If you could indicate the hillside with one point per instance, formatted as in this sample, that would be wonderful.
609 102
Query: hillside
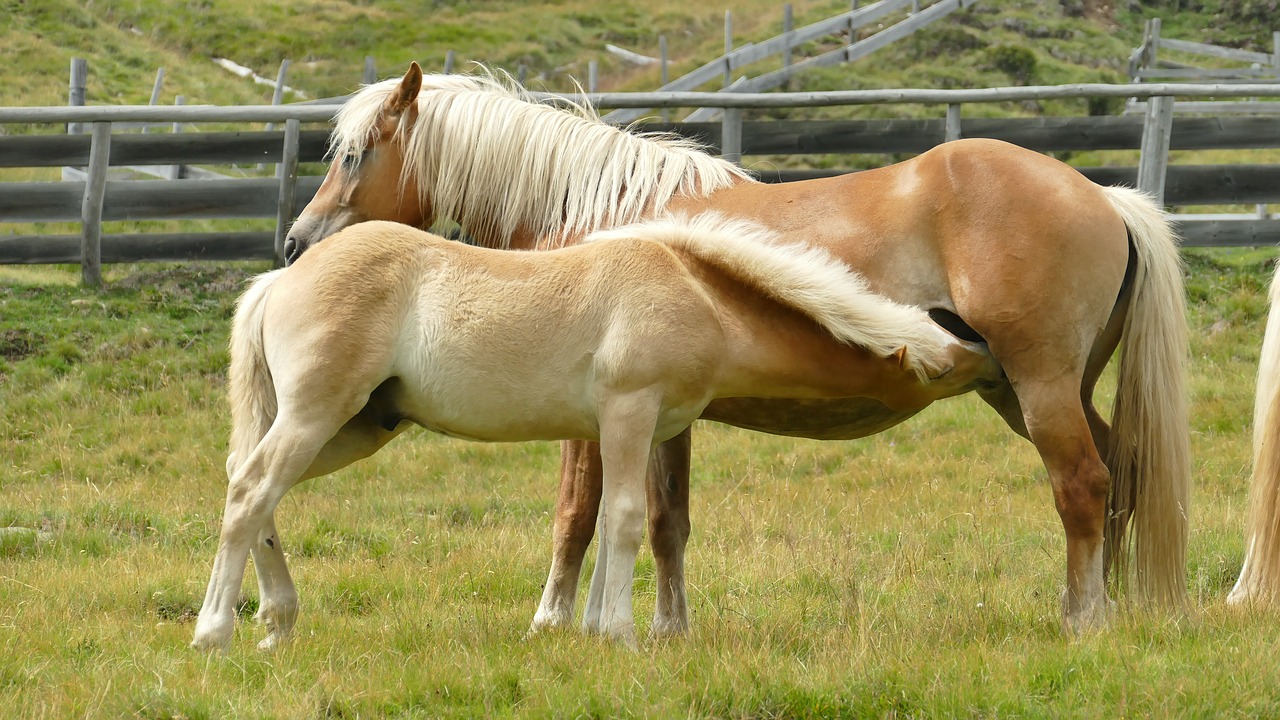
998 42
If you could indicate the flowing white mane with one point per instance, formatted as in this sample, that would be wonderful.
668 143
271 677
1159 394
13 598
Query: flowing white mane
807 279
487 155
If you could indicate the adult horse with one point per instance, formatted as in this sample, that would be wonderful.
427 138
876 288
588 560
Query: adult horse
997 242
387 325
1260 575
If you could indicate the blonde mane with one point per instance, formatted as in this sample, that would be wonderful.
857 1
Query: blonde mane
807 279
488 156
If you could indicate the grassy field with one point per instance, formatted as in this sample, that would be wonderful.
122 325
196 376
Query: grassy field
915 573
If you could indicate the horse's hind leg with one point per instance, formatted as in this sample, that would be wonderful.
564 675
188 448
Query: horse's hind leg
359 438
1059 427
252 494
277 597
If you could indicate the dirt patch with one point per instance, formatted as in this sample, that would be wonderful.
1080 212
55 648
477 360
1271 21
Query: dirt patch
18 344
185 281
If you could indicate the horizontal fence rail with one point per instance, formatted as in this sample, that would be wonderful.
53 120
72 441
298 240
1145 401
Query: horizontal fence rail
97 199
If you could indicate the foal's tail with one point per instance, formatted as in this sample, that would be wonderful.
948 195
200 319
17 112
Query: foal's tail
808 280
1260 576
253 396
1149 447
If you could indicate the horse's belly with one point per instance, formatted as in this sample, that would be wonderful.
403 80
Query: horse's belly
842 419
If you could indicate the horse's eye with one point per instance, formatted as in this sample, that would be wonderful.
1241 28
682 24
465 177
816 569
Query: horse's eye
351 160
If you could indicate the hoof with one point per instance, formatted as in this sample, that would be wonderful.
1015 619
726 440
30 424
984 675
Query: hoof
272 642
1088 620
211 640
667 628
549 620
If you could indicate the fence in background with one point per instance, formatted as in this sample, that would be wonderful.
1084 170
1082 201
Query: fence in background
1146 64
96 199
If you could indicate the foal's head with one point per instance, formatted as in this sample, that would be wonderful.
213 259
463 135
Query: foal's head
365 177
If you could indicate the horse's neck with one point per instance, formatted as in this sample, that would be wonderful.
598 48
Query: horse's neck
525 239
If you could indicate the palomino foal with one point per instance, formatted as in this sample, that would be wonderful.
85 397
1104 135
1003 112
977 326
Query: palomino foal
624 340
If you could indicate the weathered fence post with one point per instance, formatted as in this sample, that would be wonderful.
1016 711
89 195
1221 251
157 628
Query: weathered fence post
853 5
75 94
787 27
728 47
277 95
951 130
95 189
731 135
175 171
1154 38
1154 159
593 76
155 93
448 62
370 75
662 51
287 171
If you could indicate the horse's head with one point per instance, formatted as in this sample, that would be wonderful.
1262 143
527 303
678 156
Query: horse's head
365 176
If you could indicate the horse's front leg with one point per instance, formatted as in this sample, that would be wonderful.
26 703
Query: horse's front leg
577 507
669 532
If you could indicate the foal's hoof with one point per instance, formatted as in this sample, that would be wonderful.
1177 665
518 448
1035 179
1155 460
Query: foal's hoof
272 642
210 642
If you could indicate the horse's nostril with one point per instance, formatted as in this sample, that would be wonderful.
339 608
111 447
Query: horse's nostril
291 251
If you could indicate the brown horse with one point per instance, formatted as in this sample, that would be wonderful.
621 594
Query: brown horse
997 242
388 324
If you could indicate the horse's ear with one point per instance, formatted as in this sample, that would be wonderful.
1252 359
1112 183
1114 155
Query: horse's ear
901 356
406 93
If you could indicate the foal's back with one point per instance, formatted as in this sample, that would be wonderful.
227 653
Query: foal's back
499 345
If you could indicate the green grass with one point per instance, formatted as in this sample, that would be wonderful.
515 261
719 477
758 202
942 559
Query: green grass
915 573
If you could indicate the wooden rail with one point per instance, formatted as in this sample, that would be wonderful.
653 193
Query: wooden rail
97 200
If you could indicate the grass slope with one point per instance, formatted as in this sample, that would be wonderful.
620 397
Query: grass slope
994 43
915 573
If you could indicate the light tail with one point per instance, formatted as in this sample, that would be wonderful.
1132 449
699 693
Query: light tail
1149 449
810 281
1260 577
252 392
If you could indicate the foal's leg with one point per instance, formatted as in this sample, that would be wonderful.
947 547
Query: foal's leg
577 508
668 502
278 599
626 438
252 494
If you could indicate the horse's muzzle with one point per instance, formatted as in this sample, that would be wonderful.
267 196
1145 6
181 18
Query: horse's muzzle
292 250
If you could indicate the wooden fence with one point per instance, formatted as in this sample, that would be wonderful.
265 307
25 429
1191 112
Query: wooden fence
97 200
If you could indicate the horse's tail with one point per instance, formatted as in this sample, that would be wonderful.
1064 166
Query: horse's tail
1149 447
1260 576
253 395
808 280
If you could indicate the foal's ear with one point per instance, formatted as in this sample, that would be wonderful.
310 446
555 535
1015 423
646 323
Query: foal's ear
406 92
901 356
